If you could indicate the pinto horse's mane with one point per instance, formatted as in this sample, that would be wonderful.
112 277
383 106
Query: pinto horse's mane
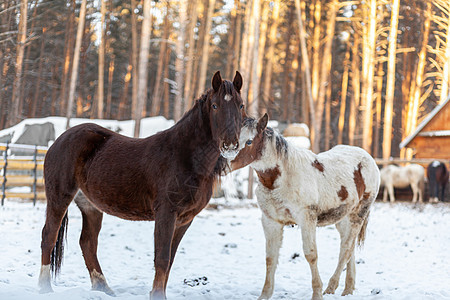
275 138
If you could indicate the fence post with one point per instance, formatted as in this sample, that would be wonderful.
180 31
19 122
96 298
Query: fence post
5 158
35 175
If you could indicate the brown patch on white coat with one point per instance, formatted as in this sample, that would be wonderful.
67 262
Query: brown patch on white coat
268 177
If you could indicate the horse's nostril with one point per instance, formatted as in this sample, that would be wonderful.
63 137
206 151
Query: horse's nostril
237 146
225 146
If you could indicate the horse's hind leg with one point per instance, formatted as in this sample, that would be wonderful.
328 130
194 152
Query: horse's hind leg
54 228
92 223
416 192
344 229
273 232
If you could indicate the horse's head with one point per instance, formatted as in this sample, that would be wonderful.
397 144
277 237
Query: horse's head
252 137
226 111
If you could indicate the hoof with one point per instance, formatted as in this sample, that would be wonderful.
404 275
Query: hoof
317 296
45 290
263 297
329 291
347 292
105 289
157 296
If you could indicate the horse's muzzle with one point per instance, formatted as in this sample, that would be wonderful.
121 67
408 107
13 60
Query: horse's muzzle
229 151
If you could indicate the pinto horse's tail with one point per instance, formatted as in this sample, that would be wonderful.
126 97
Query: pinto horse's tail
58 250
362 232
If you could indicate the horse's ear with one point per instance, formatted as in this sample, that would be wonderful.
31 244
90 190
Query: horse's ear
237 81
262 123
216 81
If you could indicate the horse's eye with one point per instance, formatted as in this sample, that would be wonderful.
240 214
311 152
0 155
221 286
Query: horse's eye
249 142
241 107
214 106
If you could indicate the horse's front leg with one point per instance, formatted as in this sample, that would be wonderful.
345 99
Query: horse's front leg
443 191
273 232
164 232
177 236
308 225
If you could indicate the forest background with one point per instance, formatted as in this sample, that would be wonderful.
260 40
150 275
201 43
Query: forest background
361 72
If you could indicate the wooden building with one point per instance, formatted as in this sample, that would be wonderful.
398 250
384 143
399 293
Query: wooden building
431 139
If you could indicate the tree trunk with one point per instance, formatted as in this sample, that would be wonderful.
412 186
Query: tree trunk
390 83
25 97
101 62
21 39
261 49
143 63
179 62
68 46
325 70
188 97
376 137
134 60
205 48
159 80
39 76
166 98
109 92
3 103
268 70
231 40
307 72
237 36
417 92
244 45
126 85
316 61
253 60
356 85
76 58
344 87
285 94
446 68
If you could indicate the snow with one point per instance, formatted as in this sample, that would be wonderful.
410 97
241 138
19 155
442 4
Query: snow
406 256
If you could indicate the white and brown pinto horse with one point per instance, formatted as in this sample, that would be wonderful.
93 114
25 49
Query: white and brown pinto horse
299 187
393 176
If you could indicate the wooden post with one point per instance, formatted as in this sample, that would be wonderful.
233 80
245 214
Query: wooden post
250 183
5 158
34 175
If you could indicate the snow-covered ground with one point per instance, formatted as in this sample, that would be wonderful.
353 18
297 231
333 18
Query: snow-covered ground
406 256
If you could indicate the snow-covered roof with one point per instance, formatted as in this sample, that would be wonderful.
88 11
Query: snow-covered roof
424 123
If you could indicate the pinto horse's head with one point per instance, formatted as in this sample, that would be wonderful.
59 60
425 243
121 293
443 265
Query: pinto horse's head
252 140
226 111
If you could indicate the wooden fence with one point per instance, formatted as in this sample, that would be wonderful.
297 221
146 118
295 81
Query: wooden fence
22 171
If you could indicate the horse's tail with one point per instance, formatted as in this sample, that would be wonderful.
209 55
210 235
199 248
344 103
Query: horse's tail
362 232
58 250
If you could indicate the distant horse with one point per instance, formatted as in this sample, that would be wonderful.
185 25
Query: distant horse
437 175
167 178
299 187
401 177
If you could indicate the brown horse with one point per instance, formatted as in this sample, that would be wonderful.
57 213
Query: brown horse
167 177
